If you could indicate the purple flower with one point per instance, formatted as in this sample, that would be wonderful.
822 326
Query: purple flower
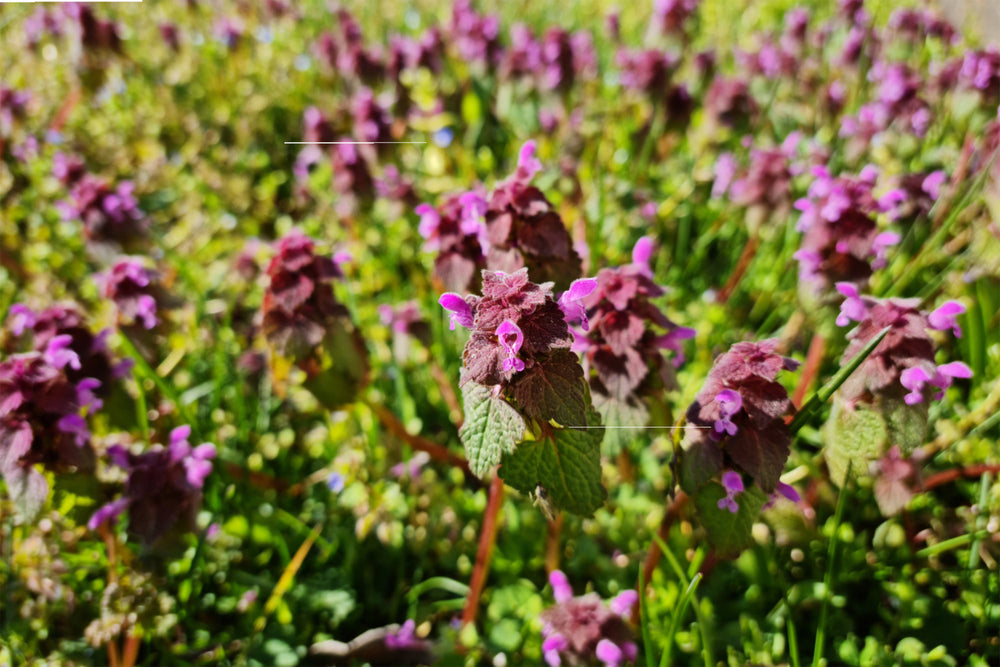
430 220
59 354
623 603
730 402
163 488
461 311
914 379
412 467
671 341
948 372
732 482
85 394
108 513
783 490
76 426
932 183
19 318
503 334
945 317
853 307
584 628
551 647
571 301
403 638
882 242
609 653
130 285
561 590
642 251
527 164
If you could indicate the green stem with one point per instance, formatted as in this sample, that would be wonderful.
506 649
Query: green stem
675 622
826 391
831 557
706 646
644 620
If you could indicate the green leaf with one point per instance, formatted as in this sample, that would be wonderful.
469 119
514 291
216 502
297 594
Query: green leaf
728 533
616 414
853 438
906 424
28 489
553 390
342 367
566 463
492 427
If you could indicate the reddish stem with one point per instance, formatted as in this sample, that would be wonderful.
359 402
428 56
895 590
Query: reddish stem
945 476
749 250
62 115
438 452
131 650
113 658
814 359
447 393
487 538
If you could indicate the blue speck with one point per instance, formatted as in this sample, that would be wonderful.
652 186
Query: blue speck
336 482
443 137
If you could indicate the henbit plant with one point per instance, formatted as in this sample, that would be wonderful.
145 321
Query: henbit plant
736 443
880 413
514 226
163 490
527 405
623 354
307 327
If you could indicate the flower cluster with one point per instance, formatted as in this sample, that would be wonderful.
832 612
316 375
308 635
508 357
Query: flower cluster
514 227
882 404
475 36
767 181
515 325
109 215
163 488
905 357
583 629
729 102
13 106
649 70
981 71
43 418
917 26
557 60
135 292
623 353
739 416
90 349
841 241
299 304
455 231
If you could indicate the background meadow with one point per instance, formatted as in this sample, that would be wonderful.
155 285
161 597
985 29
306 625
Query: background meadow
173 273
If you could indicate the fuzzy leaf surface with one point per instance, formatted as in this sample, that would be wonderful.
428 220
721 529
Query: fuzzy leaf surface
567 463
728 533
492 428
553 389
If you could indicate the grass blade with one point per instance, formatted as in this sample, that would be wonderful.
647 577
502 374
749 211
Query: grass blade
826 391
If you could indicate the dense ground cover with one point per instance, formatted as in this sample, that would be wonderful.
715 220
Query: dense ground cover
667 336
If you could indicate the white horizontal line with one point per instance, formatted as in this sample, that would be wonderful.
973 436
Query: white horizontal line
335 143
